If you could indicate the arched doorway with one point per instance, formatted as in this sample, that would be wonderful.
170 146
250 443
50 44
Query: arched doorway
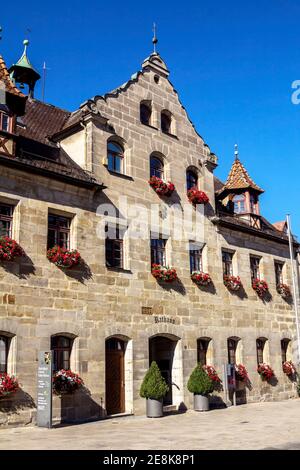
115 375
165 350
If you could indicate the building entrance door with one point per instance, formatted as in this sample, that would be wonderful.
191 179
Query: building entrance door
114 376
161 350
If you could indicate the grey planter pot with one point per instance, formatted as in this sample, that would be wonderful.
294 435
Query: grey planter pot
154 408
201 403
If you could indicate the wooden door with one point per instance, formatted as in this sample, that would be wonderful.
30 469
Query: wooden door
115 377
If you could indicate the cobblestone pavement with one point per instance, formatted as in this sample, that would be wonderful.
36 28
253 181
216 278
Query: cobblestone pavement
272 425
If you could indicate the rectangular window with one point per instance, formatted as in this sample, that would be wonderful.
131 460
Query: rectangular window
58 231
158 251
254 267
195 258
260 343
61 347
5 122
284 347
279 272
231 346
3 354
227 263
114 251
6 218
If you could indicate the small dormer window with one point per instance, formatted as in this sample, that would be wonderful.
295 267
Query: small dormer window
5 122
166 122
145 113
239 202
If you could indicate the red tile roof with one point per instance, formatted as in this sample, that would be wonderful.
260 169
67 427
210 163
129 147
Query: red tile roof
5 78
238 178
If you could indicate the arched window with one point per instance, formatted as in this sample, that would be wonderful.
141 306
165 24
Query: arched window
202 347
115 157
3 353
232 344
239 202
191 179
284 348
145 113
260 346
165 123
61 347
156 167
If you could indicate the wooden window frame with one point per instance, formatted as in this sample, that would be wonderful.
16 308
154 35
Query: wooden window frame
255 267
260 346
6 341
227 263
196 258
57 350
115 155
7 218
278 276
231 350
9 126
158 172
191 175
59 229
158 251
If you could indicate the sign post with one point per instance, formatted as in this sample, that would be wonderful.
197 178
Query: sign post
44 390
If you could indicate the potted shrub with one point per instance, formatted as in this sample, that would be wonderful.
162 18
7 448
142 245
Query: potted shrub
154 388
62 257
9 249
163 273
195 196
8 385
66 381
161 187
284 291
200 278
289 368
200 384
232 283
260 287
265 371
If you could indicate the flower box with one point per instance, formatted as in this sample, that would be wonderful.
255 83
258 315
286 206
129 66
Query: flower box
233 283
196 196
8 385
260 287
163 273
289 368
66 381
9 249
200 278
265 371
212 373
63 258
241 372
284 290
161 187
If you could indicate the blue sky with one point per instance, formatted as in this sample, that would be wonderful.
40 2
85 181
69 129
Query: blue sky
232 63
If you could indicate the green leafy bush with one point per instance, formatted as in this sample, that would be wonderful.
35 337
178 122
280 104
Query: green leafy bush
199 382
154 385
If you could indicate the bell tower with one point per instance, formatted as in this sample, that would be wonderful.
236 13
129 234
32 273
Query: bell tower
23 72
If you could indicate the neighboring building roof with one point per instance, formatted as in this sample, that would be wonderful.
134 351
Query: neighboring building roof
238 178
281 226
10 87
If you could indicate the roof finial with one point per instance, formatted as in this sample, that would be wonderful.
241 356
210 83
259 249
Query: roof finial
154 39
0 32
236 151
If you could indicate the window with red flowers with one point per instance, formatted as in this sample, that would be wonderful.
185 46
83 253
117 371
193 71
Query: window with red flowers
156 167
158 251
61 347
227 263
232 344
195 257
202 348
6 219
255 267
58 231
278 272
191 179
260 346
4 344
284 347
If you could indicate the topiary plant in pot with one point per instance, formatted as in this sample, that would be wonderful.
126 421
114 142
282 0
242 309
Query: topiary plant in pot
200 385
154 388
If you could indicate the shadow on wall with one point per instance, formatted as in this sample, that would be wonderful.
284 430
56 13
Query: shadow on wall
80 273
17 402
22 268
77 407
176 286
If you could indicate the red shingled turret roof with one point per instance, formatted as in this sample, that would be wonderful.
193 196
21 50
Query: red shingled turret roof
10 87
238 178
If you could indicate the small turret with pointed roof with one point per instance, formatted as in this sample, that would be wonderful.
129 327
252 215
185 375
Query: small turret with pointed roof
23 72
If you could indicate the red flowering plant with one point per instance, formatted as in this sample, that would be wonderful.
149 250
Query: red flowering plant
265 371
8 385
233 283
196 196
9 249
241 372
62 257
289 368
163 273
284 290
260 287
200 278
66 381
161 187
212 373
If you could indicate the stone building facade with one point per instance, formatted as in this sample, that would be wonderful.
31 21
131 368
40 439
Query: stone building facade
109 317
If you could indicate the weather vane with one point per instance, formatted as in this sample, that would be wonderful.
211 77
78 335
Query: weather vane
154 40
236 151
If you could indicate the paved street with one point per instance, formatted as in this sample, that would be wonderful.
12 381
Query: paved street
272 425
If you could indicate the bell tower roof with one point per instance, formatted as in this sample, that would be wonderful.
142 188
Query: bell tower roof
23 72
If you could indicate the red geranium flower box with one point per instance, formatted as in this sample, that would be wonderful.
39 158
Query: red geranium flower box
63 258
260 287
241 372
284 290
160 187
233 283
163 273
9 249
289 368
196 196
66 381
8 385
265 371
212 373
200 278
